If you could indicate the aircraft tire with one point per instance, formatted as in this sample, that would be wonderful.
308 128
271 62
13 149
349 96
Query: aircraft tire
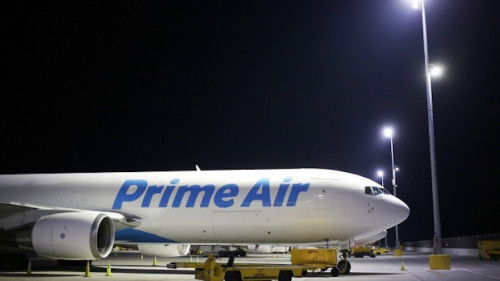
335 272
344 266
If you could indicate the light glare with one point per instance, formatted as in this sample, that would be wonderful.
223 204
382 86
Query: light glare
388 132
415 4
436 70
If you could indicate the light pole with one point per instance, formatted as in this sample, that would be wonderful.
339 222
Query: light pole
435 197
380 173
389 132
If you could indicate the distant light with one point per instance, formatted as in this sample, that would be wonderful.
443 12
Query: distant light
416 4
380 173
388 132
396 169
436 70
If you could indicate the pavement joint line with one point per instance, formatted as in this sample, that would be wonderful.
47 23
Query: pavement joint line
440 274
473 272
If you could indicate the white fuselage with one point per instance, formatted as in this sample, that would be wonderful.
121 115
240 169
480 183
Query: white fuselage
247 206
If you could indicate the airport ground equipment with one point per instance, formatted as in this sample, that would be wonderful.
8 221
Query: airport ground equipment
381 251
361 251
302 261
319 259
213 271
489 249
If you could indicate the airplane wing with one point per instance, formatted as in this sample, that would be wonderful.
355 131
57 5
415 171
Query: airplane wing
61 233
17 214
8 209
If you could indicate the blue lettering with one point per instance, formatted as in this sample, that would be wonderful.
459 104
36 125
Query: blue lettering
123 196
253 194
280 197
167 193
294 194
223 197
232 191
152 190
194 190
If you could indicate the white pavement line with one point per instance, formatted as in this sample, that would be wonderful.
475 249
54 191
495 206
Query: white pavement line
470 271
440 274
414 275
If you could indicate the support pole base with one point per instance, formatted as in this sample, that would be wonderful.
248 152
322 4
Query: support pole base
439 262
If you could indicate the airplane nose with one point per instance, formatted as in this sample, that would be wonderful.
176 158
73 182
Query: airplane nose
392 212
401 210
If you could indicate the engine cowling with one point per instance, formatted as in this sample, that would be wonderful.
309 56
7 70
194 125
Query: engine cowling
85 235
164 250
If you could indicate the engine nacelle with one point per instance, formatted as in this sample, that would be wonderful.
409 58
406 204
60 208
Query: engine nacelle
85 235
164 250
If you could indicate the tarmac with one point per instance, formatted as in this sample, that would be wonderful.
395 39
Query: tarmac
130 266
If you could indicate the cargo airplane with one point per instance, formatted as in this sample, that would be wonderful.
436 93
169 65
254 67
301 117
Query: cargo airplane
79 216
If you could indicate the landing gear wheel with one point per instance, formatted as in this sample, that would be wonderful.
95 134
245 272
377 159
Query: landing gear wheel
344 267
335 272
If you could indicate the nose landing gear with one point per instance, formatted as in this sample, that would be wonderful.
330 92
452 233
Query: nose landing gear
344 265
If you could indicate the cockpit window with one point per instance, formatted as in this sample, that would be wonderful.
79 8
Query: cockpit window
373 190
368 190
385 191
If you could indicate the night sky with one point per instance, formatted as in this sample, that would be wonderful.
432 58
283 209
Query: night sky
165 85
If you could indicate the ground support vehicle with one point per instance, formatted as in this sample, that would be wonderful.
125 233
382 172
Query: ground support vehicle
381 251
303 261
361 251
320 259
489 249
212 271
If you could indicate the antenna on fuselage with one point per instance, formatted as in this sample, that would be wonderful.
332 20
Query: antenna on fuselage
198 168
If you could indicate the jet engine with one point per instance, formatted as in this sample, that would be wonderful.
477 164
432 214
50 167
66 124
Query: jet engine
85 235
164 250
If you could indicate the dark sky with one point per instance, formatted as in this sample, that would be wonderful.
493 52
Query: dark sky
164 85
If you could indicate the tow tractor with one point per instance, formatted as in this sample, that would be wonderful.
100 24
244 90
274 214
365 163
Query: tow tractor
303 260
213 271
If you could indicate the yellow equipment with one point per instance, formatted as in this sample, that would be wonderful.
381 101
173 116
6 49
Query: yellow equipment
212 271
361 251
489 249
381 251
316 259
303 260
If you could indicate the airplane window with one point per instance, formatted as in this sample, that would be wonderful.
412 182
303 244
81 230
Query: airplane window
368 190
376 191
384 191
